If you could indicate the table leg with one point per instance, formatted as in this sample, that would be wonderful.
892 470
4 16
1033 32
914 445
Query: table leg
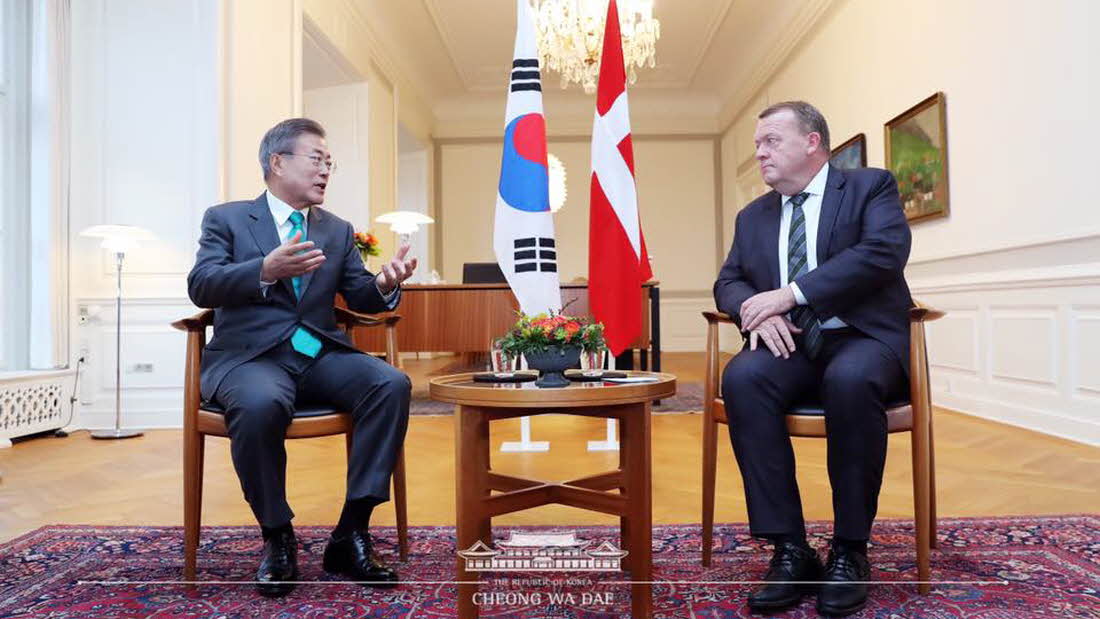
636 443
624 521
471 453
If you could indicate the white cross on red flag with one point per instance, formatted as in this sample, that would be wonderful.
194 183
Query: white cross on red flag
617 260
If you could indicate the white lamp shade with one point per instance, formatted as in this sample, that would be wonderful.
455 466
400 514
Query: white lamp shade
404 222
118 238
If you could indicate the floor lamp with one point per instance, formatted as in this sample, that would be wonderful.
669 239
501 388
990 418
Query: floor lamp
118 239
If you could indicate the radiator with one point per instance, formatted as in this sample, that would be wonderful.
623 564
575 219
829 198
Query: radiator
33 402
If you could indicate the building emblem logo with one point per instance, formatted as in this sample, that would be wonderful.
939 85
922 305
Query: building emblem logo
544 552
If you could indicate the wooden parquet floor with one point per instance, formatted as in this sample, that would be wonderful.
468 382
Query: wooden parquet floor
983 468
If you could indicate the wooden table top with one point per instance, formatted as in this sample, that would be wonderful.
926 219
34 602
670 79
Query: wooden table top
461 389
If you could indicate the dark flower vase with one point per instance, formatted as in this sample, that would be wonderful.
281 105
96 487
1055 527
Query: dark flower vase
552 362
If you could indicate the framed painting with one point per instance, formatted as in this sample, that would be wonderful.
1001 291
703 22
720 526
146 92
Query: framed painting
916 153
851 154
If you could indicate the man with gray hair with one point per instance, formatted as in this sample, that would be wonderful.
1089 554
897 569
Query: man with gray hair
270 268
815 281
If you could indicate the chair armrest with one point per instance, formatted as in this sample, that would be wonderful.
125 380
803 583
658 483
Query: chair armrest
198 322
355 319
716 317
923 313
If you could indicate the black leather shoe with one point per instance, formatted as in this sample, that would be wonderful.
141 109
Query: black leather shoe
278 565
354 556
845 590
790 562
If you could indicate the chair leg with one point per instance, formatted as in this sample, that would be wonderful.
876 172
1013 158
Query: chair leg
193 444
933 541
921 507
400 505
710 463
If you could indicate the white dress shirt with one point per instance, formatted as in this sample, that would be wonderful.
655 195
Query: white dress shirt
811 208
280 212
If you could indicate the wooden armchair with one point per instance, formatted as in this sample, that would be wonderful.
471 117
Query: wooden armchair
198 423
915 417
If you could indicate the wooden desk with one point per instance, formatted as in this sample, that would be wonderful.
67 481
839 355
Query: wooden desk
479 403
464 318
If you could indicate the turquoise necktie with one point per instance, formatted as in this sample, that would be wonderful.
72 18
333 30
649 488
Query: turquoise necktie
802 316
303 341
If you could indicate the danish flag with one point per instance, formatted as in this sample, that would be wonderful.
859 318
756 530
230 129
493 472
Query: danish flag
617 260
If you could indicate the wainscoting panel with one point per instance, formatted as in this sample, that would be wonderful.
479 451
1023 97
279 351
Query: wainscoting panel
1024 345
1018 346
152 362
1085 352
683 327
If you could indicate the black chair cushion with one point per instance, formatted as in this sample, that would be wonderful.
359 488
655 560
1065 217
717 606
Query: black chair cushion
300 413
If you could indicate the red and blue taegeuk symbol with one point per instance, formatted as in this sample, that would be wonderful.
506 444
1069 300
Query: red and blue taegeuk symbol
524 176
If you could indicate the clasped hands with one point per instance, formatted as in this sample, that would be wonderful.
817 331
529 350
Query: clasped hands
763 318
294 258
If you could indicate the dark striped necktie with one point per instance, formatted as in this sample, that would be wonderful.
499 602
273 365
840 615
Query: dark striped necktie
802 316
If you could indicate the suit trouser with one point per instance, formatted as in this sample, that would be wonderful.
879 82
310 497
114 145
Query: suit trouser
260 397
854 378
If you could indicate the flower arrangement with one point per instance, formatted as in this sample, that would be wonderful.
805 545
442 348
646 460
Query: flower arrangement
367 244
536 334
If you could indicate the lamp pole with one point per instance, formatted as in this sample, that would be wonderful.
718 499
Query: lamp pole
118 432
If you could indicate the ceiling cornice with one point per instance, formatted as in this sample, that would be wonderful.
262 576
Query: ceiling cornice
445 38
393 70
796 32
712 31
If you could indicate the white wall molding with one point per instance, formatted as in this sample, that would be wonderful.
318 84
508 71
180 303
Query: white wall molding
1018 347
152 361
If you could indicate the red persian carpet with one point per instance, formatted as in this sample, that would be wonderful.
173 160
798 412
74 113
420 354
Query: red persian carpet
988 568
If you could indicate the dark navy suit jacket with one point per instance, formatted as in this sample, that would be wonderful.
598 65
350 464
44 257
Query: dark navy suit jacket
863 244
226 277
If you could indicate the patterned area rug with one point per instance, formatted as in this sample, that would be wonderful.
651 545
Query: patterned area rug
1039 568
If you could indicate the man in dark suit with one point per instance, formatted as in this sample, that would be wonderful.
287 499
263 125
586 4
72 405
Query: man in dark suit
815 281
270 268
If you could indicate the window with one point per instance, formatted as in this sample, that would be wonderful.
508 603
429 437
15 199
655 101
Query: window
34 184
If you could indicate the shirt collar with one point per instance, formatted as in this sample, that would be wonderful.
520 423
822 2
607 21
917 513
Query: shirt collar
281 210
816 186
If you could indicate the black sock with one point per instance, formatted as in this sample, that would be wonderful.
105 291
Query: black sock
355 516
852 545
267 532
788 538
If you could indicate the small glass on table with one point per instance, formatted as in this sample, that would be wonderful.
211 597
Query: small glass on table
501 362
592 361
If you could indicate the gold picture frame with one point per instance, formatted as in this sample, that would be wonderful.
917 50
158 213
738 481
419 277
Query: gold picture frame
851 154
916 154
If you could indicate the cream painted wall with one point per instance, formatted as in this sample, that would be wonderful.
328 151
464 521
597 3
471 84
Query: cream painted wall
170 99
413 194
676 189
263 83
1020 83
676 197
343 111
1017 262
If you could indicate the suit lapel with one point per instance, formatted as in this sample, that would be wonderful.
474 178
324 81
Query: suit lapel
264 231
318 233
770 229
830 207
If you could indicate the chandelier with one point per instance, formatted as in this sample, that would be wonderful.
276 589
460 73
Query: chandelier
570 37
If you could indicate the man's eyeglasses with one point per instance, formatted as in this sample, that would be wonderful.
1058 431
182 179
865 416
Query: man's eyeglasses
318 161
